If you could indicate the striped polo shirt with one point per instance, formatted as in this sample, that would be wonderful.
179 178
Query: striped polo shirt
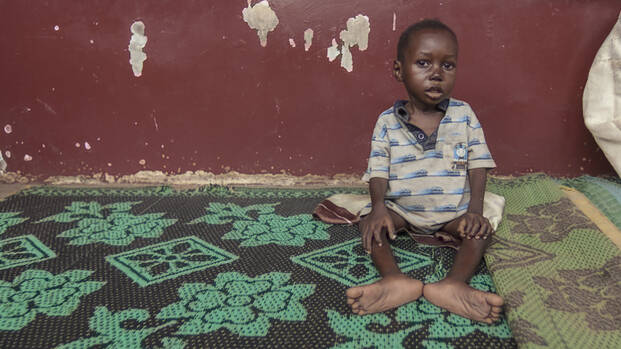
430 187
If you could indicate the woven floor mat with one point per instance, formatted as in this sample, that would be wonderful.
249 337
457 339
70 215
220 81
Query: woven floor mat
605 194
208 268
560 276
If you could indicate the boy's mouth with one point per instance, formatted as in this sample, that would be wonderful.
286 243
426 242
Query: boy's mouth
434 92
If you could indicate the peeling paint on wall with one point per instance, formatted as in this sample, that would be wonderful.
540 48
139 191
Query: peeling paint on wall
87 146
308 39
356 34
291 42
8 128
137 42
333 51
27 157
8 154
394 21
260 17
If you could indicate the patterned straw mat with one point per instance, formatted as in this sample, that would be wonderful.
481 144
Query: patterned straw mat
231 268
559 274
605 194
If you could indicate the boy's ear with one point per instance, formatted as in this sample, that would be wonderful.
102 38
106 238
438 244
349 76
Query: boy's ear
397 71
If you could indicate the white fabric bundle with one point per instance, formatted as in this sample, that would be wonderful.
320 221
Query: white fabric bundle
602 97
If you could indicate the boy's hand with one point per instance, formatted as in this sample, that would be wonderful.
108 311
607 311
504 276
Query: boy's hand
474 226
371 227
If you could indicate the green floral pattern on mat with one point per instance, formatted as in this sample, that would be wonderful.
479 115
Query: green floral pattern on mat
357 330
239 303
350 265
442 327
8 219
257 225
38 291
112 333
23 250
111 224
167 260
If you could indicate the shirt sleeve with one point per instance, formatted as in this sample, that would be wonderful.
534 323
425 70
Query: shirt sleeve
479 155
379 159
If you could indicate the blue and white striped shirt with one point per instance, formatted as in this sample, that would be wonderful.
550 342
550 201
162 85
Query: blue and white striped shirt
430 186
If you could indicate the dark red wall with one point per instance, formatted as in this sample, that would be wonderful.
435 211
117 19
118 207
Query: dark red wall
211 98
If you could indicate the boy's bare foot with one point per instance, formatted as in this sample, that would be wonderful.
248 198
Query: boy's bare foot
461 299
390 292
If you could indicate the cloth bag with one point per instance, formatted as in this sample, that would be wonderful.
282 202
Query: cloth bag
601 100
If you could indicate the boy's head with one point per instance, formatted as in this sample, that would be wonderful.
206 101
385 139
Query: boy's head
427 62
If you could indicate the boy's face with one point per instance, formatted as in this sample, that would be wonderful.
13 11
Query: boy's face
428 68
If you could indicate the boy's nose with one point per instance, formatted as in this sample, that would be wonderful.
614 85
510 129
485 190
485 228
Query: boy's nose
436 75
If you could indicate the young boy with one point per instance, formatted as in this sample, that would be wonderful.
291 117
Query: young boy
427 173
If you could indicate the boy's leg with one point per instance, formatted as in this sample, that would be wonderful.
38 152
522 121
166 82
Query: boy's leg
394 289
454 294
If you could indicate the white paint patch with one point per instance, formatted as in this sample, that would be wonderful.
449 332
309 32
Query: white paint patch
356 34
77 144
333 51
142 162
92 41
291 42
347 60
394 21
137 42
8 128
8 154
87 146
56 28
308 38
27 157
262 18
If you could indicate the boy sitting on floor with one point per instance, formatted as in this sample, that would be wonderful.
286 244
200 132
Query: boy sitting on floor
427 173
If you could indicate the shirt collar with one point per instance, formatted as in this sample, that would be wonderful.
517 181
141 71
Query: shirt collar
402 113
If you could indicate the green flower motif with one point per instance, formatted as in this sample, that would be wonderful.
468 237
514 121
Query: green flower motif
8 219
356 328
114 336
239 303
266 228
222 213
170 259
275 229
111 224
38 291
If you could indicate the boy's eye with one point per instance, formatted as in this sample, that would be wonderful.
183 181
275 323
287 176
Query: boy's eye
422 63
448 66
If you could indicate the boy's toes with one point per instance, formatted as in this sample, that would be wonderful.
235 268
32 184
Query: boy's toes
354 292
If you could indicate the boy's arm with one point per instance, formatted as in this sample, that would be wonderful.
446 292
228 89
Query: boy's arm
473 224
477 178
371 225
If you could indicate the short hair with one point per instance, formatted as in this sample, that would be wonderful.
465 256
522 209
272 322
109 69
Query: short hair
404 39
